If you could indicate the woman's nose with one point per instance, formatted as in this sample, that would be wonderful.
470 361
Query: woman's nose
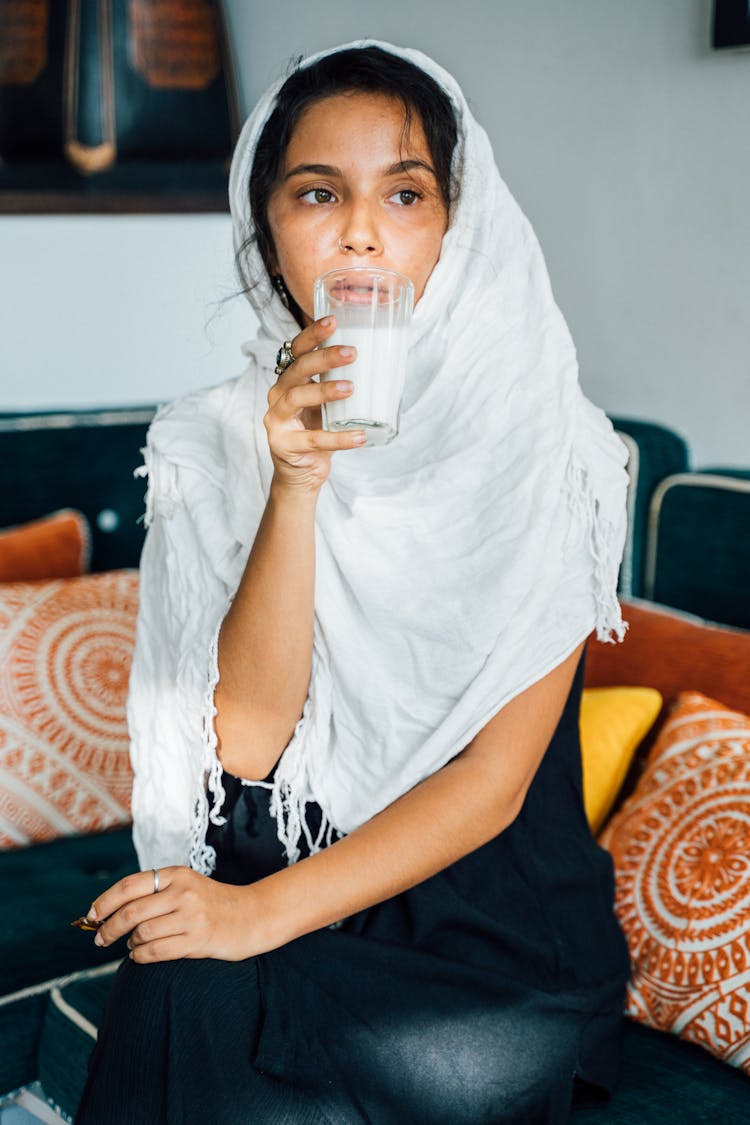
360 234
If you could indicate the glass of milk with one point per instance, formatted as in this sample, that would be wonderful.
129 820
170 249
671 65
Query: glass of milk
373 311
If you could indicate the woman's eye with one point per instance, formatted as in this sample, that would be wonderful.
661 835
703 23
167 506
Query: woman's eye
407 197
319 195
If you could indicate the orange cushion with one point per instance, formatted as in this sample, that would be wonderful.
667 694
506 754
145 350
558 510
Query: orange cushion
65 649
57 546
672 652
681 848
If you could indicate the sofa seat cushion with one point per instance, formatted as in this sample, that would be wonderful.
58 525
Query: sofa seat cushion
73 1014
666 1080
42 890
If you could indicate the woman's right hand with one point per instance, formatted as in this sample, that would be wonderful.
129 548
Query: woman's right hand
300 449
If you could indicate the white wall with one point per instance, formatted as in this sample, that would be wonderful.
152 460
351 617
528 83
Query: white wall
621 134
106 309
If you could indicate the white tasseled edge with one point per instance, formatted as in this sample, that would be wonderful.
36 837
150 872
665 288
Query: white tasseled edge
143 471
287 799
161 495
287 803
202 856
599 538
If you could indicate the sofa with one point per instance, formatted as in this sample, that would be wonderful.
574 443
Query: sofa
689 631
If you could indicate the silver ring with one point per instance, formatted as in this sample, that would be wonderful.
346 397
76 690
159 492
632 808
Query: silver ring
156 879
284 358
343 249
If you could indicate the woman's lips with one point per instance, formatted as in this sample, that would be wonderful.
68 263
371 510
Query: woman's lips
350 294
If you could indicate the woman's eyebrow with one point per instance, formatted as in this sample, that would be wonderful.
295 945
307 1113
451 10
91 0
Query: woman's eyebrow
408 166
329 170
314 169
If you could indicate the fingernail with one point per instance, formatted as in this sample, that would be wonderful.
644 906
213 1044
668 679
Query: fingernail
327 321
344 385
92 915
360 439
346 352
98 940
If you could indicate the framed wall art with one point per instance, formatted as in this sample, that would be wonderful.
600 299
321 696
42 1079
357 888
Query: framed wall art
731 23
115 105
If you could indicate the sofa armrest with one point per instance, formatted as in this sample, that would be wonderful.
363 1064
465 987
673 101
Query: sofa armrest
674 651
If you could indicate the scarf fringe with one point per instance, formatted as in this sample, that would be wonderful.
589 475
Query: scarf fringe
288 804
162 495
202 855
599 534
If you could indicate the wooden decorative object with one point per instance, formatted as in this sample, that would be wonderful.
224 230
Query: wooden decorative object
115 105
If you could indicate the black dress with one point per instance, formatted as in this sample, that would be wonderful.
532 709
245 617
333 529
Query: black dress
491 992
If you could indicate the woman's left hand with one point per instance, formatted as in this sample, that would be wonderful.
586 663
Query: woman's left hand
189 916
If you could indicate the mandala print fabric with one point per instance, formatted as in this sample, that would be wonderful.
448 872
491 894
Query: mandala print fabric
65 653
681 846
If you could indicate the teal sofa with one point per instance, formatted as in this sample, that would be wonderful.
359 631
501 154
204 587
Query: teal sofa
54 980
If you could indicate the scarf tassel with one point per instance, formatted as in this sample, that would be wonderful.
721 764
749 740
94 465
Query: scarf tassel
202 855
286 805
162 494
601 543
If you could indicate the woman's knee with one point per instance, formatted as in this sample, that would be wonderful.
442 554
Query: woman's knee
512 1069
143 995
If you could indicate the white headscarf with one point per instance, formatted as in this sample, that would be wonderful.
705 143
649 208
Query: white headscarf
455 567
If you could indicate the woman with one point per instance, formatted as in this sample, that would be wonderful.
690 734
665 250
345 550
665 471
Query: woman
384 651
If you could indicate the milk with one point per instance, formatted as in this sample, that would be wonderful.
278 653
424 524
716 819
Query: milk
378 374
373 310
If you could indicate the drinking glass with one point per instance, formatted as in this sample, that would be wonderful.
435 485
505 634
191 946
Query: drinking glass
373 310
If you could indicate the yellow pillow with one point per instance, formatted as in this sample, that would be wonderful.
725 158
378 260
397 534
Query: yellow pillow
614 721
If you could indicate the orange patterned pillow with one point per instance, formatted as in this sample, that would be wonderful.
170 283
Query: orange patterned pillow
56 546
681 847
65 650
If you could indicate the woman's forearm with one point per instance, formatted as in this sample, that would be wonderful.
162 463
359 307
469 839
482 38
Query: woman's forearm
444 818
266 640
449 814
265 643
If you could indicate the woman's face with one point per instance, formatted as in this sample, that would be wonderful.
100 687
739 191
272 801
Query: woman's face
351 176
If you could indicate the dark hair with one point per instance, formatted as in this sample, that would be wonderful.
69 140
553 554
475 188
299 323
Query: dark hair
366 69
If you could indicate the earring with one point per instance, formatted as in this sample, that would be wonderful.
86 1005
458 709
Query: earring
280 287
